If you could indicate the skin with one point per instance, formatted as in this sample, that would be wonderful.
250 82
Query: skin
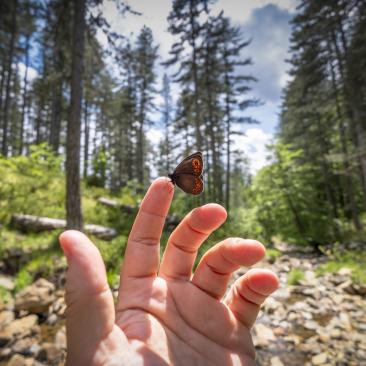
165 314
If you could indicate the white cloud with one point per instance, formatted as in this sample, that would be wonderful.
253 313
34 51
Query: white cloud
32 73
253 144
154 135
240 11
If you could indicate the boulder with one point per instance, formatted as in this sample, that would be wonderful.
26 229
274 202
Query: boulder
35 298
19 328
6 317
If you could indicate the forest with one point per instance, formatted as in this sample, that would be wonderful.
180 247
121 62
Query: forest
75 116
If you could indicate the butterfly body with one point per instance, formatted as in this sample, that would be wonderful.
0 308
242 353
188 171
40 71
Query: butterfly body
188 174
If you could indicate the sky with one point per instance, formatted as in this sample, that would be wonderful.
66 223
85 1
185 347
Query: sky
265 22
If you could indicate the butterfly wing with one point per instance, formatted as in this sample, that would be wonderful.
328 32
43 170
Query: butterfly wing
189 183
192 164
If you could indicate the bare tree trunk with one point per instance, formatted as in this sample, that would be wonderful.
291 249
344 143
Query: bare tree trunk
73 199
4 148
228 135
195 80
25 84
56 112
86 139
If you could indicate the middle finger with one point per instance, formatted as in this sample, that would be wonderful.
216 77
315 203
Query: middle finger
183 243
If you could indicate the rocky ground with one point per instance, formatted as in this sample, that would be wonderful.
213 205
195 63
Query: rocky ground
321 321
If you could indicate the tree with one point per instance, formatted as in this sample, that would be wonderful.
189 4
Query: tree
145 55
73 199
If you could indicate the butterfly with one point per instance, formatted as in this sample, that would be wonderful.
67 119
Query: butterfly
188 174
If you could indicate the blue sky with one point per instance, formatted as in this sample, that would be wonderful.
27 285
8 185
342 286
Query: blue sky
266 23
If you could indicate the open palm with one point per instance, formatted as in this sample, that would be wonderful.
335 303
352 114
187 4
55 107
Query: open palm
165 315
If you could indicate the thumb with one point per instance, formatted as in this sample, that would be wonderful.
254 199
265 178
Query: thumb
90 308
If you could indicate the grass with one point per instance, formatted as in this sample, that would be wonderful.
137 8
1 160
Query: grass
272 254
354 260
295 276
5 295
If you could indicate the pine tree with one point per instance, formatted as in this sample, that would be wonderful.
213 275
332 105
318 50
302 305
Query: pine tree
73 199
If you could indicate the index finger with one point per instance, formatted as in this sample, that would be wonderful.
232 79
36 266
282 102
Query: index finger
143 246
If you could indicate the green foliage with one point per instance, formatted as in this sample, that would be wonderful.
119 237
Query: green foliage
272 254
285 202
32 184
112 252
113 278
23 279
5 295
354 260
295 276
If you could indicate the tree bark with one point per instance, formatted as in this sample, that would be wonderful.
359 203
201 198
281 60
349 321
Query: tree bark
195 78
86 139
24 105
31 223
4 148
73 197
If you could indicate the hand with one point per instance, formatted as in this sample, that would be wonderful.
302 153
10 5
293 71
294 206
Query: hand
164 315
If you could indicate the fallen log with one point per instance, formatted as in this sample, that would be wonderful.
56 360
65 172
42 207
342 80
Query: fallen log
171 221
114 204
31 223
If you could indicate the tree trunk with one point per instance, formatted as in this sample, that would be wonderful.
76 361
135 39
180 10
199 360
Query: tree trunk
346 165
86 139
56 113
24 105
228 135
195 78
4 148
73 200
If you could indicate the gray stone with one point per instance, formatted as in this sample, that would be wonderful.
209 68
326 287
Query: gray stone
35 298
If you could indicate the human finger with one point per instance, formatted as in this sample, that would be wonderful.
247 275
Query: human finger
142 253
90 307
217 265
249 292
183 243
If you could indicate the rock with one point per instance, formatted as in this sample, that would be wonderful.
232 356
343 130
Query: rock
323 336
344 321
52 319
5 353
22 327
14 259
58 306
335 333
310 324
35 298
310 278
319 359
359 289
264 335
276 361
50 354
344 271
7 283
345 286
18 360
25 346
6 317
271 305
60 338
